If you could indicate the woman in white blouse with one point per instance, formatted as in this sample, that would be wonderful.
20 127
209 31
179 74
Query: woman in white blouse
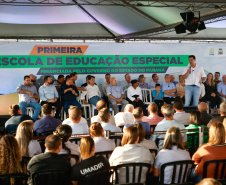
24 135
172 150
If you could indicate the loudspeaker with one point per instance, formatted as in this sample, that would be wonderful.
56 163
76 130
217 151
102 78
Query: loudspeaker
181 28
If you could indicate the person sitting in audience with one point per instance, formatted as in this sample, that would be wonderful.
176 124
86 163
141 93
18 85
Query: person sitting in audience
65 131
115 94
101 143
180 116
217 78
203 107
92 91
75 115
126 117
10 156
215 149
172 80
69 94
138 115
221 117
89 163
49 95
153 118
155 81
180 87
134 96
195 122
68 121
127 83
27 94
34 82
221 88
57 83
105 86
17 117
105 115
157 96
131 152
142 83
48 122
209 181
169 90
101 104
173 150
211 93
149 144
165 124
24 137
50 160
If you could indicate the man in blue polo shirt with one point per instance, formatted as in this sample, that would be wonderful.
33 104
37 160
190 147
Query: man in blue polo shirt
221 88
169 90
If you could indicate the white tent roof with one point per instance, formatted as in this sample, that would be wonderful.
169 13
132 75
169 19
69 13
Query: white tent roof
107 19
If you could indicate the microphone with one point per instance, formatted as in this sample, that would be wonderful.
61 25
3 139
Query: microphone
190 69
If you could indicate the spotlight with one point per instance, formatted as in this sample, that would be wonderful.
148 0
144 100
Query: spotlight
191 23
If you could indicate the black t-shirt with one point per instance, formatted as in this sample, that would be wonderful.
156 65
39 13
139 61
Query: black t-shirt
93 164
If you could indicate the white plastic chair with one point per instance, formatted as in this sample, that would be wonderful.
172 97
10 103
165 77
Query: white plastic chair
84 105
145 93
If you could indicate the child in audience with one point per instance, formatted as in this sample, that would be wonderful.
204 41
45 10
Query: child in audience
158 95
65 131
24 135
101 143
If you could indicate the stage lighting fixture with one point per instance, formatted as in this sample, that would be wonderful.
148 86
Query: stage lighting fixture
191 23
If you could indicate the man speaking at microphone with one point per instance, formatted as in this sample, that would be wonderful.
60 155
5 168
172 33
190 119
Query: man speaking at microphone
194 75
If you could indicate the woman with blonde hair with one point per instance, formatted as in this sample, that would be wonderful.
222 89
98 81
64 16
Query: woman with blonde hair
89 163
130 151
101 143
24 135
65 131
211 93
142 83
10 156
215 149
172 150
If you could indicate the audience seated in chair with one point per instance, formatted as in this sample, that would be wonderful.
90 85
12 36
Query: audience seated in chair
131 152
68 121
153 118
165 124
180 88
126 117
221 117
101 104
209 181
89 163
49 160
75 115
221 88
127 82
215 149
203 107
155 81
105 116
57 83
49 95
27 95
169 90
101 143
64 132
24 135
137 115
48 122
105 86
149 144
180 115
17 117
115 95
69 94
173 150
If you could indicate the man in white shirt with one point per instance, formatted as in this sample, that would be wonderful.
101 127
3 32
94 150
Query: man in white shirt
180 115
75 115
155 81
194 75
92 91
101 104
165 124
105 119
126 117
126 84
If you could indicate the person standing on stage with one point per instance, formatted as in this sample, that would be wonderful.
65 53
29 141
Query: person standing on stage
194 75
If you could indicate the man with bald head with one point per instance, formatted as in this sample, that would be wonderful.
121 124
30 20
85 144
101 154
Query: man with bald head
126 117
116 95
203 107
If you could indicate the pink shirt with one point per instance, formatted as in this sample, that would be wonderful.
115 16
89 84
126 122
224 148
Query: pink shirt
152 119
